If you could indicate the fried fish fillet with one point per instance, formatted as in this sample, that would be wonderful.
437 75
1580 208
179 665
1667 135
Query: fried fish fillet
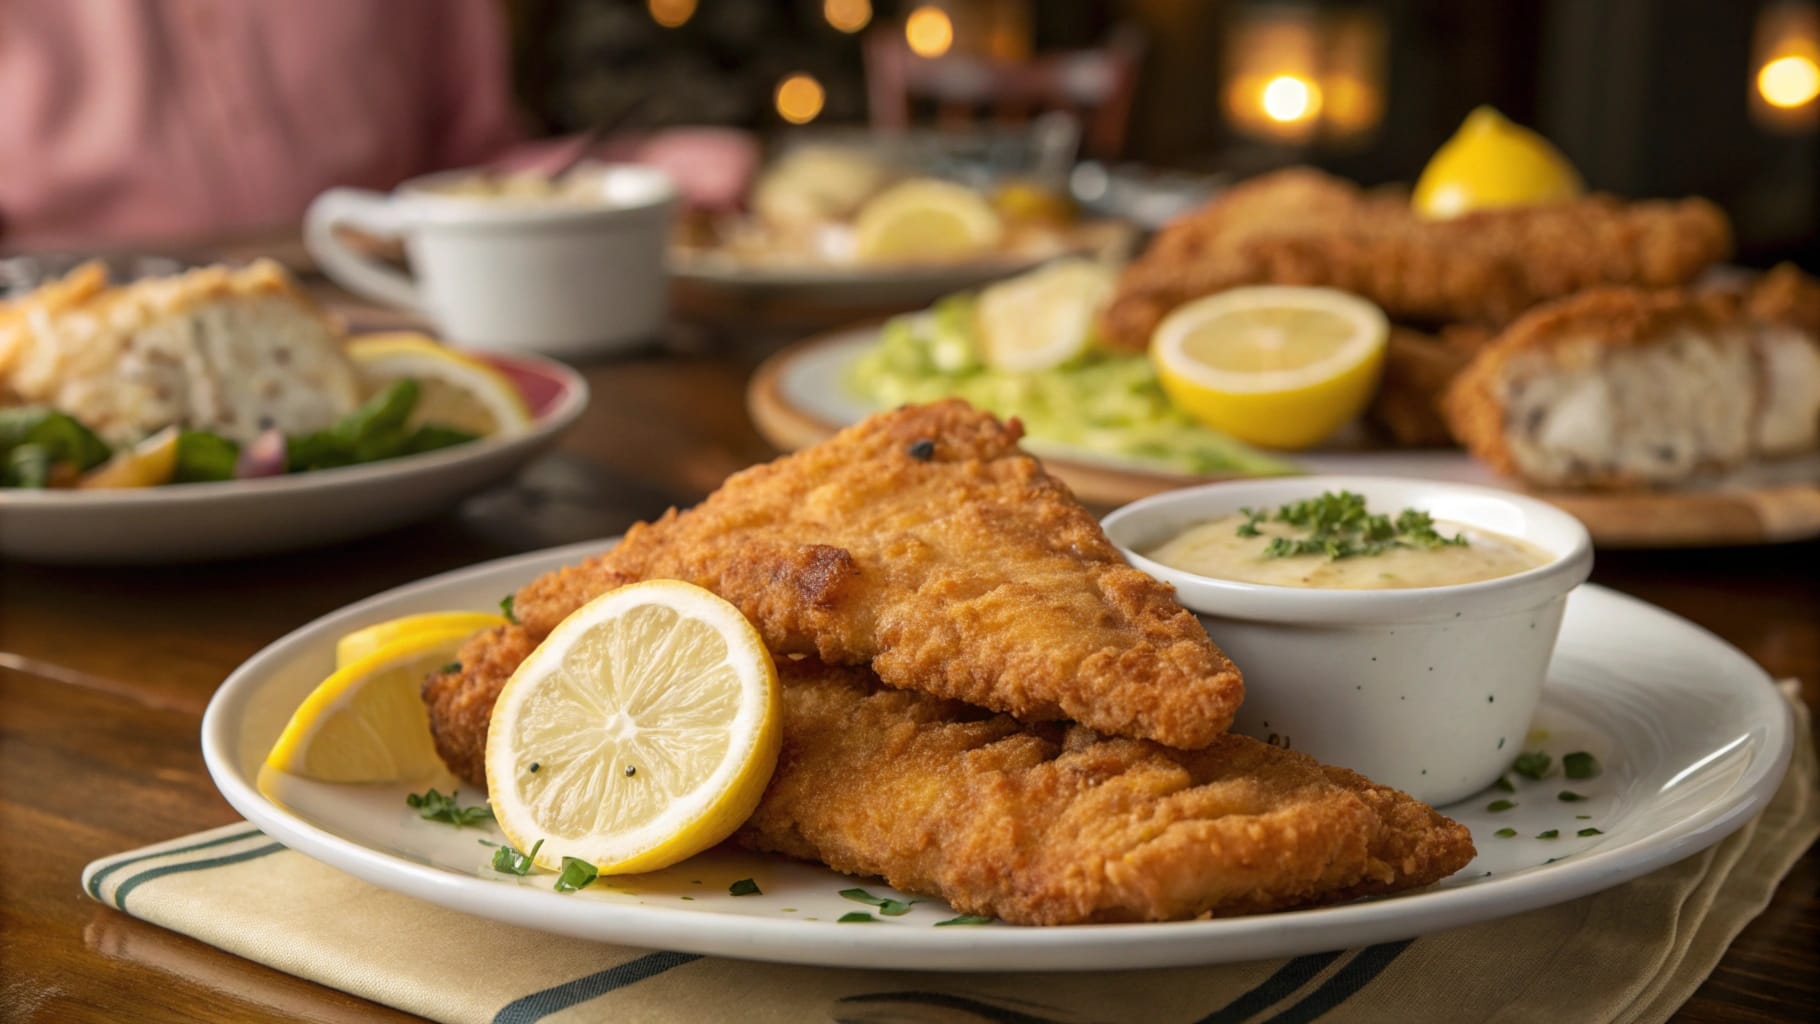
1624 387
1043 824
1302 227
924 544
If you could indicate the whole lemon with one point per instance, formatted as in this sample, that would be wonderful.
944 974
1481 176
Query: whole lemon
1491 162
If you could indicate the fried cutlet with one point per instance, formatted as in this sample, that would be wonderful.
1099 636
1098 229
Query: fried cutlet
1302 227
923 543
1418 367
1625 387
1037 824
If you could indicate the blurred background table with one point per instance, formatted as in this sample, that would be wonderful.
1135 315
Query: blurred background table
104 675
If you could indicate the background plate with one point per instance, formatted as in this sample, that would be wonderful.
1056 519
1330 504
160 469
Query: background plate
1693 737
799 397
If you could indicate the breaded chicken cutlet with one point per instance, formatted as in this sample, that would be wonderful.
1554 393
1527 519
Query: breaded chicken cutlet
1043 824
1625 387
924 544
1302 227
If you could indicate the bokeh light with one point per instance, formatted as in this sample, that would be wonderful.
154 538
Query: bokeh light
1288 99
847 15
1789 82
929 31
671 13
799 98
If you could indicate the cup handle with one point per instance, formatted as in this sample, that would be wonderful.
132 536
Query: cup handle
372 212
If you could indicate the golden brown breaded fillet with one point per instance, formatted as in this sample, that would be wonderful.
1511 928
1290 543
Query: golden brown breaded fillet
1418 367
1625 387
923 543
1044 824
1305 228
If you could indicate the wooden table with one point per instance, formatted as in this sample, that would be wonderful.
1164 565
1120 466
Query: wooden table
104 675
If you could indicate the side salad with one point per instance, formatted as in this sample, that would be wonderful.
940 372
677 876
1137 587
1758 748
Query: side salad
41 447
1094 401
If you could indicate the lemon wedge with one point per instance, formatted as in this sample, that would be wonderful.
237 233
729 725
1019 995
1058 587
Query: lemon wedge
1042 319
925 220
363 642
458 391
1276 366
366 721
1491 162
149 463
642 731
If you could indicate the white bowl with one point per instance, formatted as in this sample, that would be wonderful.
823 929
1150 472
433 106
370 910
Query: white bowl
1427 689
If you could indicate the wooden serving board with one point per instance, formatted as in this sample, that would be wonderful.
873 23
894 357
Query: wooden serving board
790 402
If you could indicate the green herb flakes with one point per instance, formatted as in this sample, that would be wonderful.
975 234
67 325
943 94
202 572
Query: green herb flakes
1505 833
506 604
1553 833
855 917
886 906
1500 805
1580 765
1504 785
451 668
433 806
964 919
744 887
1340 526
1532 764
1568 796
576 874
509 861
1589 832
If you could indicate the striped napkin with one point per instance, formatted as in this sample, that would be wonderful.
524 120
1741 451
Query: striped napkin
1630 954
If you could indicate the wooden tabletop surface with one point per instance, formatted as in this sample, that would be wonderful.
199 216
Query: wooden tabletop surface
104 675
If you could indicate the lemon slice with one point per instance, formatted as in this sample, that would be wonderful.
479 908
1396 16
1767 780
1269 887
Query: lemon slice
366 722
1491 162
925 220
363 642
457 391
1276 366
1044 318
149 463
642 731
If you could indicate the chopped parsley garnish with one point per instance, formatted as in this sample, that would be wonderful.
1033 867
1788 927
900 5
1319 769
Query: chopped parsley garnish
854 917
744 887
1505 833
576 874
1532 764
1504 785
1550 834
1568 796
1499 805
433 806
1340 526
506 604
1589 832
886 906
1582 817
1580 765
451 668
511 862
964 919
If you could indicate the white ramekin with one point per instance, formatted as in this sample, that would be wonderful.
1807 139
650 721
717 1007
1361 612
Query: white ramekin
1428 689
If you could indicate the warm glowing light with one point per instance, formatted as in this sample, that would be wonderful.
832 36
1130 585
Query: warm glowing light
671 13
1288 99
1789 82
847 15
799 98
929 32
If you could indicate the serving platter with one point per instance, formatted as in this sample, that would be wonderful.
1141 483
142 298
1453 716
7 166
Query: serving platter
799 397
234 518
1692 737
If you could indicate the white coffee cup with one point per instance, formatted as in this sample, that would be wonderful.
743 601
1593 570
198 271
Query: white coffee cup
566 277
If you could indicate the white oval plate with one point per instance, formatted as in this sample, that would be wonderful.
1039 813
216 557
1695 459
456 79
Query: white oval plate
234 518
1692 736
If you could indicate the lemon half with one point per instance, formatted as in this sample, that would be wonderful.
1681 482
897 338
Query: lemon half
642 731
366 722
458 390
1042 319
1276 366
925 220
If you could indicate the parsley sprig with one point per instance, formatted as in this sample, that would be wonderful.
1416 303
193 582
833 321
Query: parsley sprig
508 860
1340 526
433 806
886 906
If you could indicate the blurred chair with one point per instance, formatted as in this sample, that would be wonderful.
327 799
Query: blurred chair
1095 86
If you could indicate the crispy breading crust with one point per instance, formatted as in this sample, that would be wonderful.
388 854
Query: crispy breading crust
1614 317
969 573
1042 824
1418 367
1305 228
